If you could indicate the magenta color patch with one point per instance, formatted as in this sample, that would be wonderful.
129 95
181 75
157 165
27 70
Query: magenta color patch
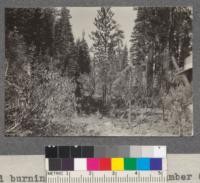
92 164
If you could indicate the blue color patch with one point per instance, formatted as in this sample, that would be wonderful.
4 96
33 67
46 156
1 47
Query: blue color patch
143 163
156 164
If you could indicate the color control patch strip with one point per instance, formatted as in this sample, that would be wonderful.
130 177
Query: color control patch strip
105 164
104 158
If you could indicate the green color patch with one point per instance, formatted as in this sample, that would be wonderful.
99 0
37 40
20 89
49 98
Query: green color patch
129 163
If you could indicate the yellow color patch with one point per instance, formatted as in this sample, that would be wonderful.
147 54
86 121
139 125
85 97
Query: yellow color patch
117 164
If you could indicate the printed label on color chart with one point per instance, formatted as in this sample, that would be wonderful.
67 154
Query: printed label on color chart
124 164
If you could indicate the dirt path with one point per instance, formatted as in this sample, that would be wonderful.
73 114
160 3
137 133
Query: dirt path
93 126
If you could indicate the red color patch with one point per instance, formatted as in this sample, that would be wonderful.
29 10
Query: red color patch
105 164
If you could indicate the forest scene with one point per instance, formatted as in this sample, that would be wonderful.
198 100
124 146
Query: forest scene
98 71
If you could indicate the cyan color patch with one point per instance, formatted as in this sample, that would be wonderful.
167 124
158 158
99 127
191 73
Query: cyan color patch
143 163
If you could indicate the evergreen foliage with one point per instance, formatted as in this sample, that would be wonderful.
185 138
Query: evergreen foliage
23 19
64 45
106 38
160 33
83 57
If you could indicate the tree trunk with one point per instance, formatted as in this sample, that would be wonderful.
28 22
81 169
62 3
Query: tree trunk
104 93
130 106
185 79
149 71
7 67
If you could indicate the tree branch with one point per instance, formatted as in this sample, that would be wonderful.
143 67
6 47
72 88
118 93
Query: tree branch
12 84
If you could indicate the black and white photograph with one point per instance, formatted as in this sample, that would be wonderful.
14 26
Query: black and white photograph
98 71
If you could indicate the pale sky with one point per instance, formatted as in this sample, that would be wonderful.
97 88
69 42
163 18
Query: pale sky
83 20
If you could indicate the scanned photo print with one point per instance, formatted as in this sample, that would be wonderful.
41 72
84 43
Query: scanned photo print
98 71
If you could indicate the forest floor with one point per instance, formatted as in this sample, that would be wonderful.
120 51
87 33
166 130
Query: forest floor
92 125
147 124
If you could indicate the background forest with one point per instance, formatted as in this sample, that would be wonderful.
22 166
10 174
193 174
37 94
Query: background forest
58 86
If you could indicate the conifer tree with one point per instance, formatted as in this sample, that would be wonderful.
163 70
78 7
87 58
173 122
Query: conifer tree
124 59
83 61
83 57
106 38
64 44
38 35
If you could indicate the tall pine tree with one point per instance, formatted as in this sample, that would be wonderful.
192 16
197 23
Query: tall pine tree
83 61
106 38
64 46
83 57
